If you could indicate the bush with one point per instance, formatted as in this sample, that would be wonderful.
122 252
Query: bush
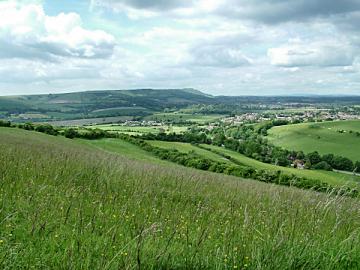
47 129
343 163
71 133
5 123
323 165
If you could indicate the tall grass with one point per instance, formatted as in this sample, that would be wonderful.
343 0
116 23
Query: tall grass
67 206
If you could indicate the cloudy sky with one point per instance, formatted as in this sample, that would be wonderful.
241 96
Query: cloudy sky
222 47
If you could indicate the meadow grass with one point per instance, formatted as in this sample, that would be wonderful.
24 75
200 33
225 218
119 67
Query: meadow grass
187 147
66 205
126 149
322 137
332 178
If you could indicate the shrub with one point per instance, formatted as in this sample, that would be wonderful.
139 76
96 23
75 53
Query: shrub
323 165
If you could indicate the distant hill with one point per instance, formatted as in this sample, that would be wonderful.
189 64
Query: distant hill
100 103
136 103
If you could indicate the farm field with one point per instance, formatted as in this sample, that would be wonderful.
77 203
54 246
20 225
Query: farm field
90 121
139 129
65 204
333 178
323 137
177 117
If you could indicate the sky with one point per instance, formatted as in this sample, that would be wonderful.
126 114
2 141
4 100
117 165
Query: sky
221 47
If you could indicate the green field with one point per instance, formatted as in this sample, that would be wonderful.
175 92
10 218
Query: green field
322 137
140 130
179 117
186 148
69 205
333 178
127 149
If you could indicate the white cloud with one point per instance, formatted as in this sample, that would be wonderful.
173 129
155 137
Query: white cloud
27 32
321 54
219 56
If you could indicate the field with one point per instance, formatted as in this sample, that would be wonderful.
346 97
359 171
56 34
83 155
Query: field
333 178
186 148
140 130
68 205
322 137
182 117
124 148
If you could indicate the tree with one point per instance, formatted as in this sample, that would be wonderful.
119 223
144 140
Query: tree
300 155
313 157
308 164
322 165
70 133
343 163
329 158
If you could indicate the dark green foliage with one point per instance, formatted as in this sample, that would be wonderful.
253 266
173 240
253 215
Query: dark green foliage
357 166
313 157
70 133
47 129
342 163
322 165
5 123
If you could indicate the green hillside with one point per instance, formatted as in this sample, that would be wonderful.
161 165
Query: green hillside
338 137
70 205
92 104
333 178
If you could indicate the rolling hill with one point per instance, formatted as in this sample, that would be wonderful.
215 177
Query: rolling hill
337 137
92 104
66 204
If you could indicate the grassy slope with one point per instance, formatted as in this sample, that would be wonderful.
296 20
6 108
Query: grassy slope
187 147
336 179
333 178
124 148
67 205
325 138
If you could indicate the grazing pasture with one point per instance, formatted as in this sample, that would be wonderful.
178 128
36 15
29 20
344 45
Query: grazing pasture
337 137
65 204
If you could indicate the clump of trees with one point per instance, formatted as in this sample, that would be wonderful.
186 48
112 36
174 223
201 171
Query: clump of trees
329 162
89 134
5 123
